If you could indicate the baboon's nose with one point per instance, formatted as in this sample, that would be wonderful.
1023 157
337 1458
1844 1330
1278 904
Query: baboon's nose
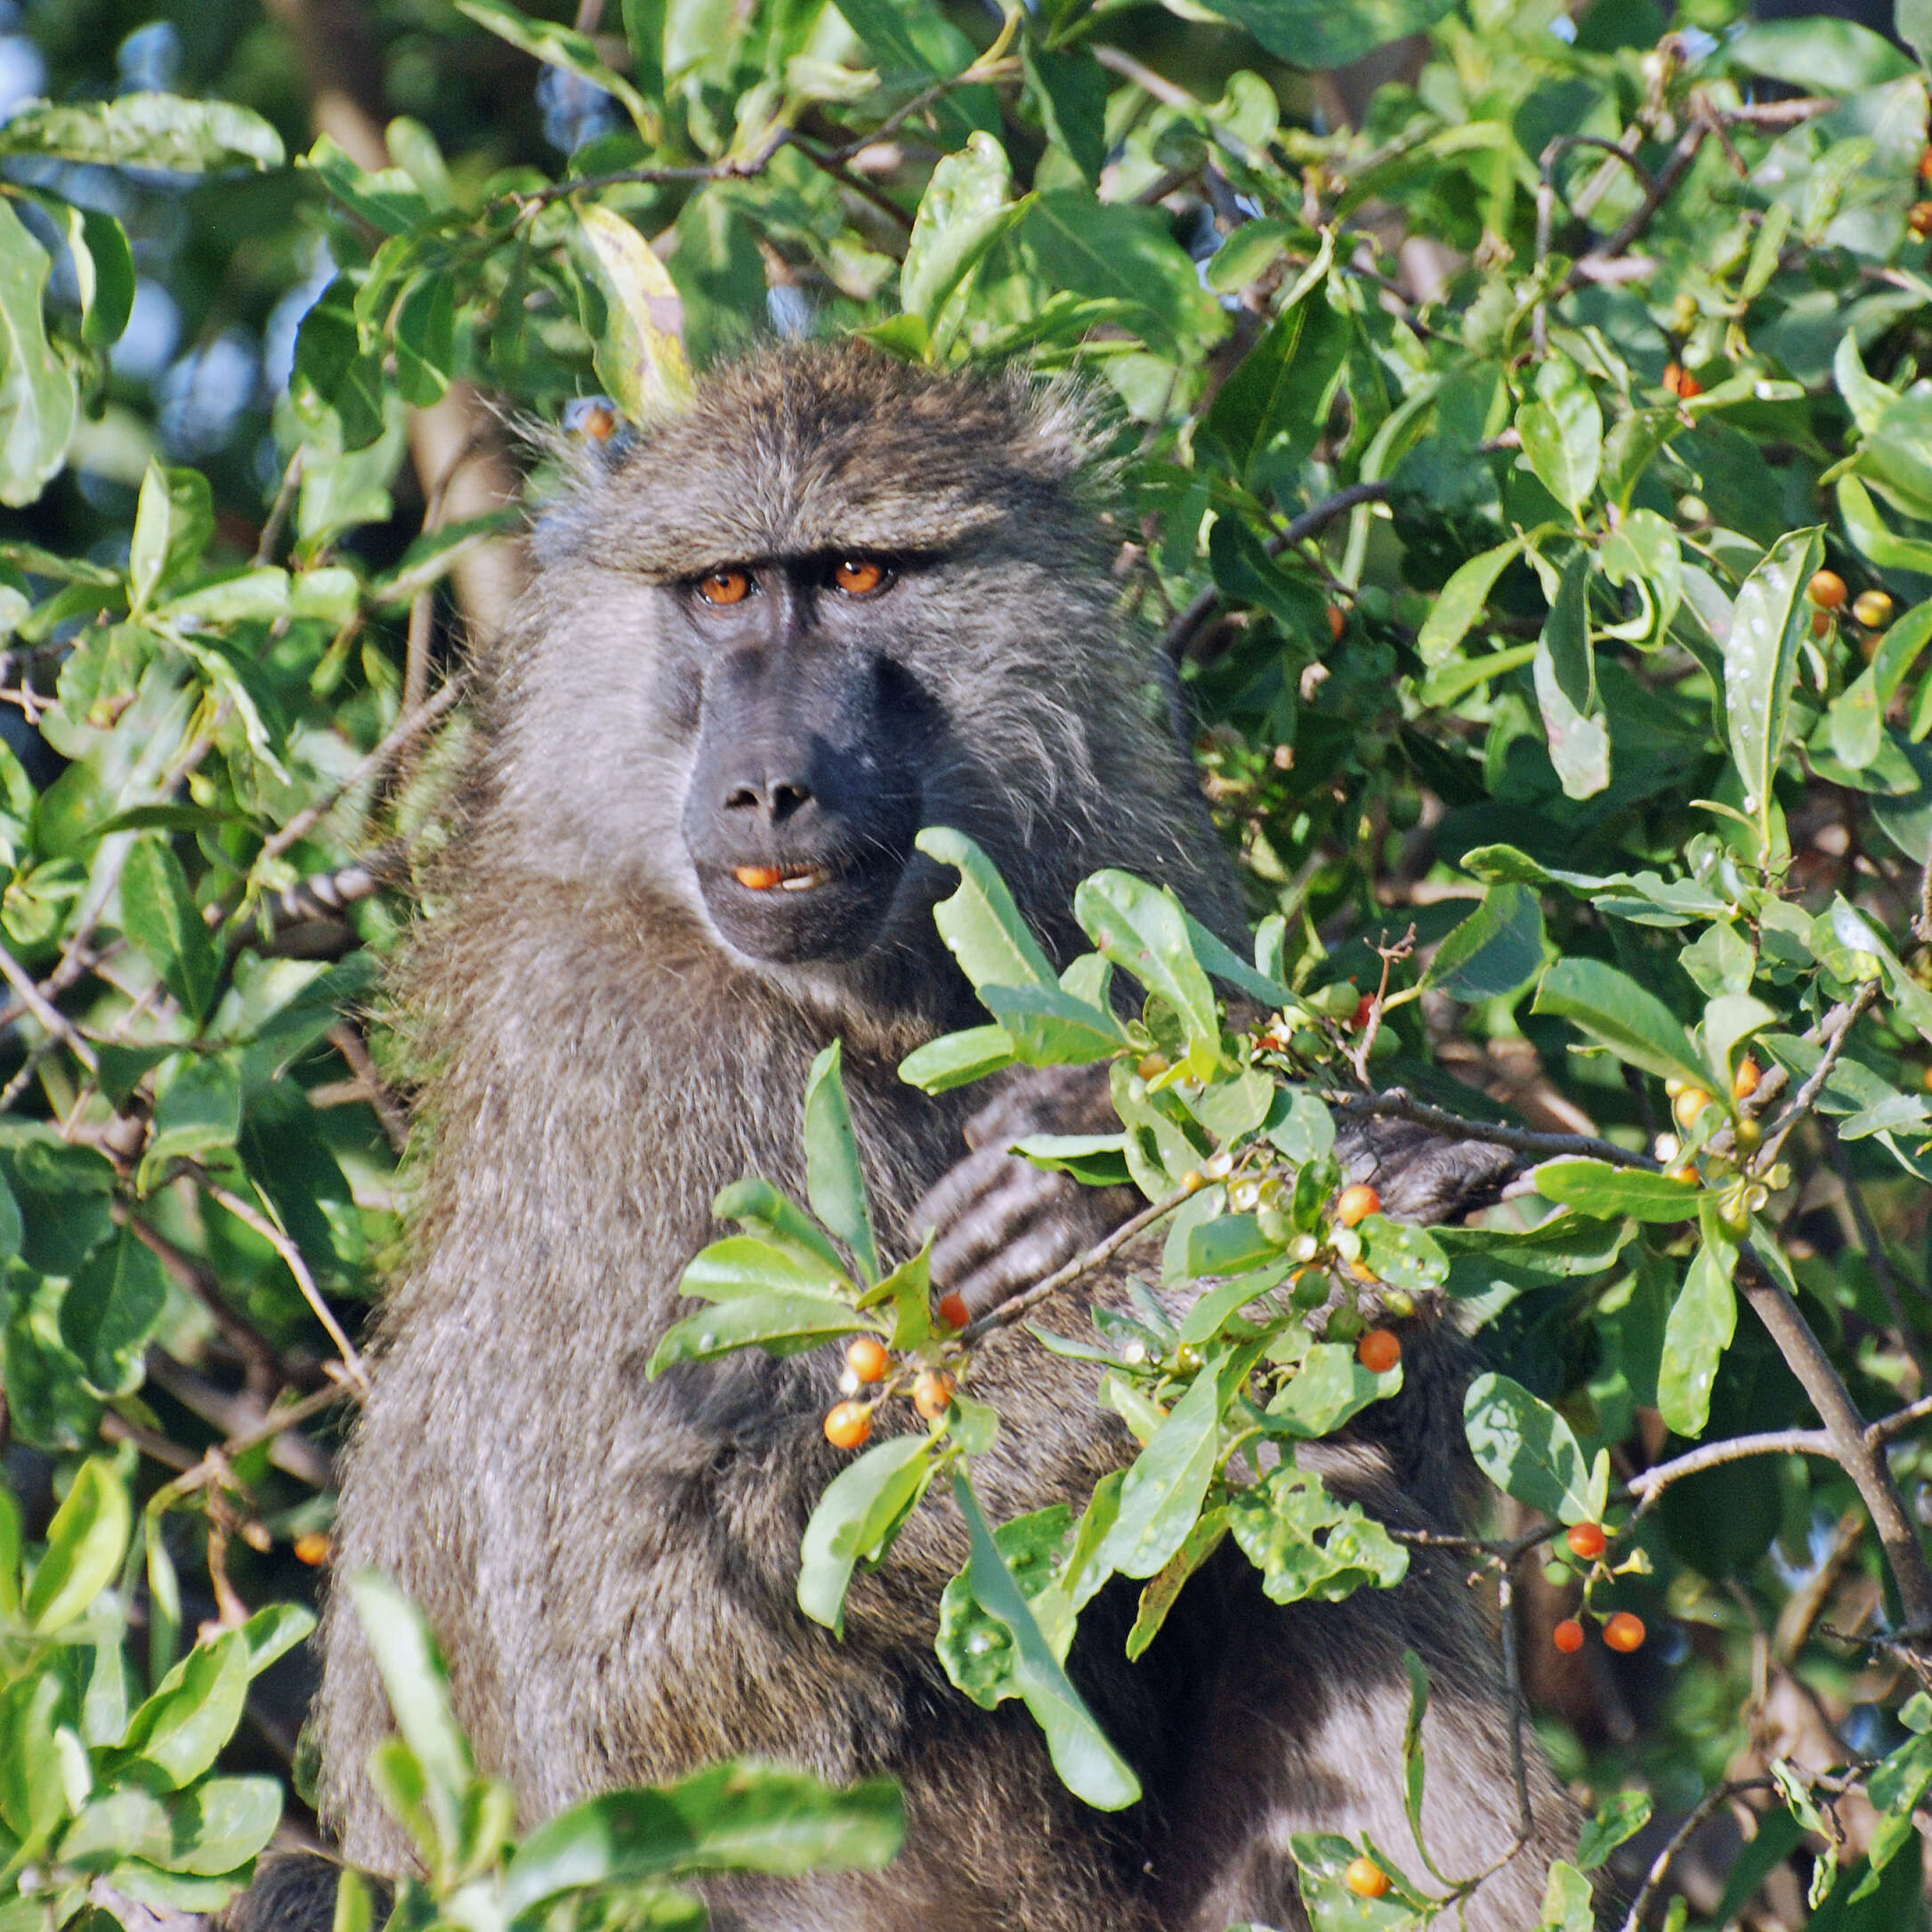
773 799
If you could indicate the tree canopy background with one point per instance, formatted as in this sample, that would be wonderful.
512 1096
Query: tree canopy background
1523 432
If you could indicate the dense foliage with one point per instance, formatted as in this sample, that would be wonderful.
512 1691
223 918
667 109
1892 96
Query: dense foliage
1527 463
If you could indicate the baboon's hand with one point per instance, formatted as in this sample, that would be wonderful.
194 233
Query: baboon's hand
1000 1223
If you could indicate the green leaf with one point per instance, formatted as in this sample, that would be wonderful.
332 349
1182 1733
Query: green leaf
1333 35
1526 1449
38 406
774 1217
1768 626
1462 600
781 1324
196 1114
1596 1187
1069 88
1088 1764
147 131
980 922
855 1519
958 1059
1612 1008
1496 949
963 213
104 267
1052 1029
640 358
1701 1322
1563 435
730 1817
110 1310
1569 1901
975 1647
913 43
566 48
1868 532
334 377
1819 55
1124 254
238 596
1564 669
173 522
1306 1545
1143 928
1167 1484
425 335
1329 1388
1403 1255
1098 1159
388 200
85 1542
159 915
1619 1818
417 1686
181 1728
835 1181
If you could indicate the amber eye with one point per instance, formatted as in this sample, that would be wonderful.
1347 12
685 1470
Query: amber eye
725 586
859 576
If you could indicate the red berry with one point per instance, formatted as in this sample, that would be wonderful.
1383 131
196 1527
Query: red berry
868 1358
1588 1541
1568 1636
848 1424
932 1394
953 1311
1378 1351
1357 1203
1364 1007
1624 1632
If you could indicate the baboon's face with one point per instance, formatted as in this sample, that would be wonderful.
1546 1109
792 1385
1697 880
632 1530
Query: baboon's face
833 602
804 792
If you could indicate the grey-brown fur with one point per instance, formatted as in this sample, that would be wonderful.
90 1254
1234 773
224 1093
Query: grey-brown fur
610 1563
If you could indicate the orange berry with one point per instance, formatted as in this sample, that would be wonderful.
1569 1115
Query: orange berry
1688 1105
1820 623
1919 219
848 1424
1338 622
1364 1007
953 1311
1681 383
1378 1351
1365 1879
1357 1203
1925 165
1586 1540
1826 590
598 423
1624 1632
932 1394
869 1358
1744 1081
311 1547
1568 1636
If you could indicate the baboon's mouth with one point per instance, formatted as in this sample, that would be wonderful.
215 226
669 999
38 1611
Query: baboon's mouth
787 879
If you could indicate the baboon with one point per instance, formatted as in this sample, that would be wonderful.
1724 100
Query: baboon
835 600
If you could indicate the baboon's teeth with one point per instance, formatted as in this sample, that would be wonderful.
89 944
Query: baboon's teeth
789 878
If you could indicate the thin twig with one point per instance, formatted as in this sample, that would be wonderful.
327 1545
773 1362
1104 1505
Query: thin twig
346 1038
1861 1459
55 1023
216 1462
1181 633
1128 67
1707 1807
407 726
1838 1032
1102 1251
277 518
252 1217
1397 1105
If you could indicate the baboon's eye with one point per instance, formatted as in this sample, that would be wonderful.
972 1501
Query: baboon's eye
725 586
859 576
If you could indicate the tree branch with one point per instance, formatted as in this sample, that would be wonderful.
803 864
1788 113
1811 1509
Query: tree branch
1397 1105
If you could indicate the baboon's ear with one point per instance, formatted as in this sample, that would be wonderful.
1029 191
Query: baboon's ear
641 354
